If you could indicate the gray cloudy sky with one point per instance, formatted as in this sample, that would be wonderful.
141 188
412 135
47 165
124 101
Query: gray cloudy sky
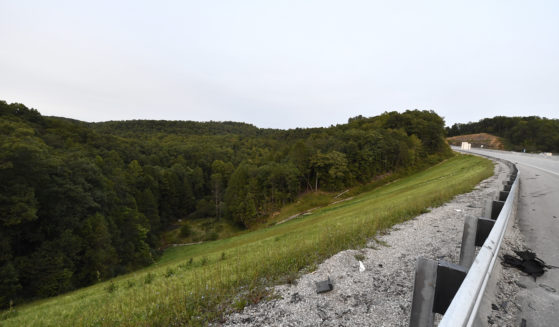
280 64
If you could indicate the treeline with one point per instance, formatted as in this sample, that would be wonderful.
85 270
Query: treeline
82 202
532 133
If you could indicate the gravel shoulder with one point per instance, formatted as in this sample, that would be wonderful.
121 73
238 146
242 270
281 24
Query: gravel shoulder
381 294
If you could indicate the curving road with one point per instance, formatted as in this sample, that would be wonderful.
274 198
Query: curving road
538 219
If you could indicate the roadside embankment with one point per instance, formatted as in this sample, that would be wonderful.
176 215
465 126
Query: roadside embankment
381 294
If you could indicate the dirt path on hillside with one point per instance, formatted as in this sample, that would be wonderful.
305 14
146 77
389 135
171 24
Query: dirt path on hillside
380 295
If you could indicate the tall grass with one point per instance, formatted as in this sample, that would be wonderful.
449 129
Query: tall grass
197 284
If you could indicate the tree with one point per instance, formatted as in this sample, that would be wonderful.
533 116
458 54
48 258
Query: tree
239 198
9 284
99 256
331 167
300 155
147 205
221 172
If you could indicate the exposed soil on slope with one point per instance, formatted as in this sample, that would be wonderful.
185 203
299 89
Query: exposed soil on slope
477 140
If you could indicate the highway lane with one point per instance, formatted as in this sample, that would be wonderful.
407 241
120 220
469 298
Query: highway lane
538 220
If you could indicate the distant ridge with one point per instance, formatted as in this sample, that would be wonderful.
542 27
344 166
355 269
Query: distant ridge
132 127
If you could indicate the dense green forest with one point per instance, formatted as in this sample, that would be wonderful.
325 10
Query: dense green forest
532 133
83 202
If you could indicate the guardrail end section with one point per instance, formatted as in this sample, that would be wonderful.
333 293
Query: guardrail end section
423 293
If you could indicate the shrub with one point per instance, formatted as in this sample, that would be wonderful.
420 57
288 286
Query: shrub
211 236
111 287
149 278
186 231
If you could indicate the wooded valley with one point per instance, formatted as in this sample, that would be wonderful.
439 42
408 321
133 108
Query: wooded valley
83 202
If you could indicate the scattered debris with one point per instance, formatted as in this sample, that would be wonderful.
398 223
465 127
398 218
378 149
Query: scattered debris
527 262
457 210
361 267
324 286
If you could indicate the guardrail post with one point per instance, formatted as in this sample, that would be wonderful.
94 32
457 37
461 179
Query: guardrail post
469 236
423 293
507 188
435 285
483 228
449 279
496 207
488 205
475 233
503 195
512 178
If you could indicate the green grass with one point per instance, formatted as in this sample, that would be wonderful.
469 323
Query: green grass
305 202
195 284
203 229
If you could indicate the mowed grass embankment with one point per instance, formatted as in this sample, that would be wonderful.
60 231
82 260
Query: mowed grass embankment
195 284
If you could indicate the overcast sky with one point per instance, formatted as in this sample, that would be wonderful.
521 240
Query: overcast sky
280 64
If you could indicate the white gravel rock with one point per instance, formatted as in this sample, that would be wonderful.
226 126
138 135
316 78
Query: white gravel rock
381 295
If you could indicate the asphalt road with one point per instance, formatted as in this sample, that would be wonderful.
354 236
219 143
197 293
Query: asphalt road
538 219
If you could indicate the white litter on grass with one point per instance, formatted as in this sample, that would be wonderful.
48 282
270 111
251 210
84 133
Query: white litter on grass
361 266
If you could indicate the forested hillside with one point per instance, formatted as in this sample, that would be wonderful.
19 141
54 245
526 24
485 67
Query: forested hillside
83 202
532 133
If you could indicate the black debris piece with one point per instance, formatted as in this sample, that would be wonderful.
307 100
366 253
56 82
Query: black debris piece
527 262
324 286
523 323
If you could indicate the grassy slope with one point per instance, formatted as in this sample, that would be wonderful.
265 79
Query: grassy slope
202 229
194 284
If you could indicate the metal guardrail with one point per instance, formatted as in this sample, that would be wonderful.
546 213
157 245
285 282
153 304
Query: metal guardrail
456 290
463 308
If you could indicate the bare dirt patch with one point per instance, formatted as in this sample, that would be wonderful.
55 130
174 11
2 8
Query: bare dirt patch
477 140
